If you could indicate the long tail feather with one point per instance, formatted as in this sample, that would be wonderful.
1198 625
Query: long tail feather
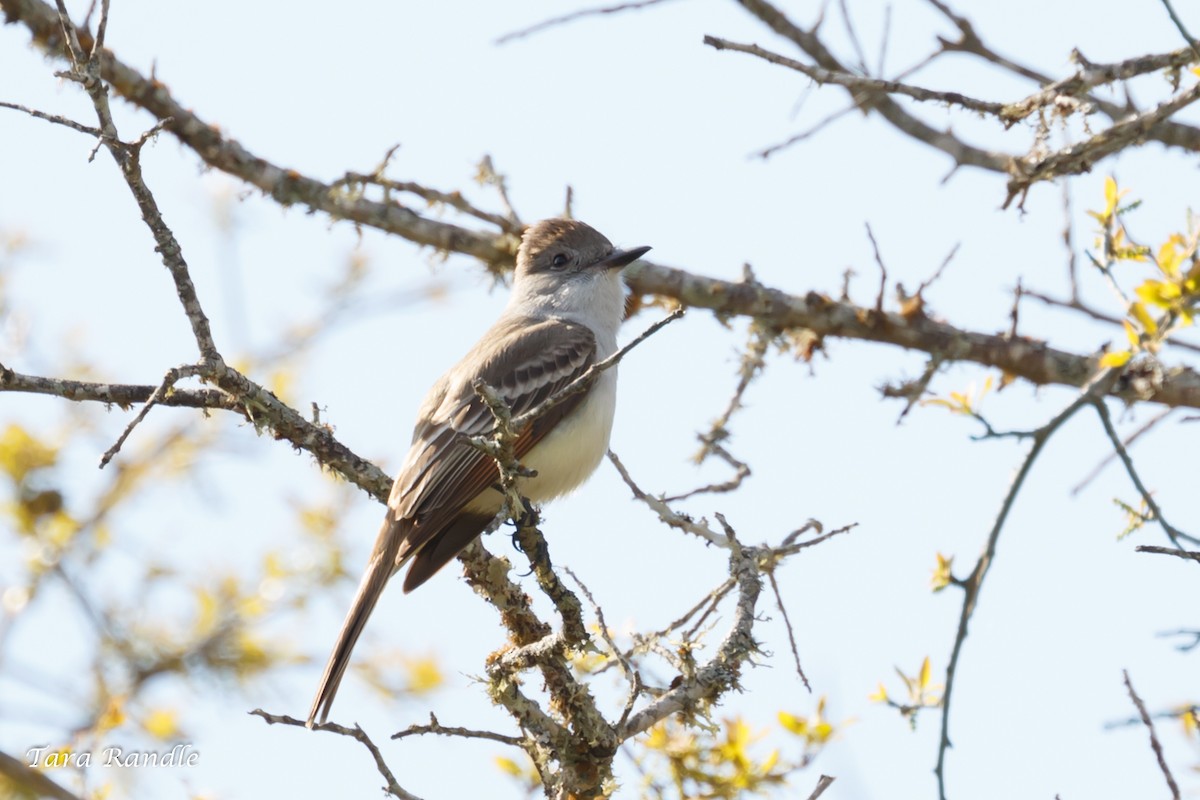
369 590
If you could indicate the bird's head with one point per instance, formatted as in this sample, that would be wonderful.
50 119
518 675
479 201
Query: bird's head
569 268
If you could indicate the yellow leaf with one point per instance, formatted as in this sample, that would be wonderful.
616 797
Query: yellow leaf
206 611
1170 255
424 674
252 653
281 382
162 723
1191 725
113 714
923 680
1117 358
941 573
879 696
795 724
1144 319
1110 195
508 765
1158 293
21 453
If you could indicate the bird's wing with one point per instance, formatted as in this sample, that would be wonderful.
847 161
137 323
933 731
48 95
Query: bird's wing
526 362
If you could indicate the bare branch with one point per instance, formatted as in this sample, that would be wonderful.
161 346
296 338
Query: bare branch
962 153
1173 533
1025 358
822 784
1083 308
436 727
1127 441
1079 158
122 395
972 585
1154 745
28 779
173 376
787 622
55 118
1168 551
392 787
723 670
1030 360
858 83
632 676
1183 32
574 15
752 364
665 512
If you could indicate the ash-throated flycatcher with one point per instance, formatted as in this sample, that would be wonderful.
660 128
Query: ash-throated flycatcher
566 305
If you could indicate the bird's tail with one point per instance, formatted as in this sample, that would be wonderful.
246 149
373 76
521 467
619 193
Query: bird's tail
369 589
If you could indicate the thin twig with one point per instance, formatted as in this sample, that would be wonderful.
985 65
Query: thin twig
1169 551
1182 30
1130 439
972 586
632 676
1173 533
858 82
1154 745
55 118
173 376
882 269
752 364
668 515
392 787
822 784
574 15
925 284
439 729
1100 316
787 622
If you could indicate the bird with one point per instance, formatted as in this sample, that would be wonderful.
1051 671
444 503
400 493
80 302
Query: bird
566 303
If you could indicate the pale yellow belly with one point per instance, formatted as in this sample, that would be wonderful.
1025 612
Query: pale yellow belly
570 453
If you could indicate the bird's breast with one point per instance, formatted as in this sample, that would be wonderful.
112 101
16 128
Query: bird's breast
574 448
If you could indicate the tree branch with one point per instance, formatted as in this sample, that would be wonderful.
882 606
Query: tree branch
973 585
1024 358
28 779
391 787
1154 745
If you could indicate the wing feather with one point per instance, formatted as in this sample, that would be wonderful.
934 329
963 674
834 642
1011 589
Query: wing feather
526 362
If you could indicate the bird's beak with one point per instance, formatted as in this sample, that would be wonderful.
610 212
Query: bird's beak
621 258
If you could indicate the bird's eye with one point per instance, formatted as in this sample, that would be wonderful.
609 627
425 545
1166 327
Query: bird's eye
559 261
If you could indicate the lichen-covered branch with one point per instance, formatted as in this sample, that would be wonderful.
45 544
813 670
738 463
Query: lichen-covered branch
1025 358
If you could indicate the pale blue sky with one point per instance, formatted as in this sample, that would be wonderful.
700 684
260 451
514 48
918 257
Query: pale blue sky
653 131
